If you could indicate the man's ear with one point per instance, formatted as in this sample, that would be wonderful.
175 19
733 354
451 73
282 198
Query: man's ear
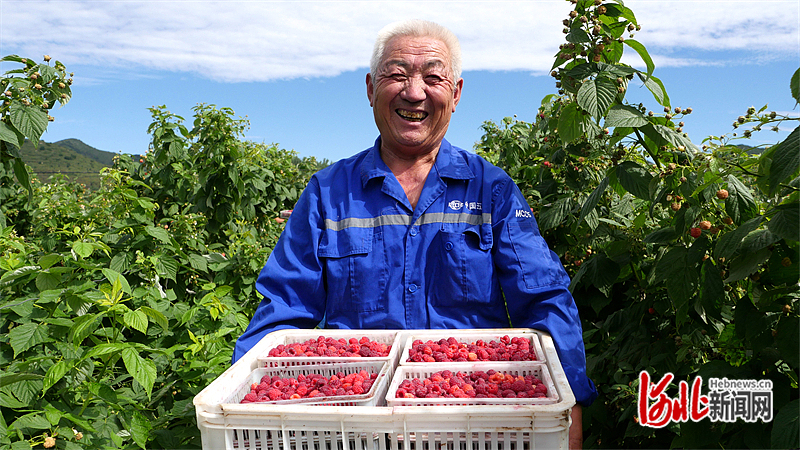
457 93
370 88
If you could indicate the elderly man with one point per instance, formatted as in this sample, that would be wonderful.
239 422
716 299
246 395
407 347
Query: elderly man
415 233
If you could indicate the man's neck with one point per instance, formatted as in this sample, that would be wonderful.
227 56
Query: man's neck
410 171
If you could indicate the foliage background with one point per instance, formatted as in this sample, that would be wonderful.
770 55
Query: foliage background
121 303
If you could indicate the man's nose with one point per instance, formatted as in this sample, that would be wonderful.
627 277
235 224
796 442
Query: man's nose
414 89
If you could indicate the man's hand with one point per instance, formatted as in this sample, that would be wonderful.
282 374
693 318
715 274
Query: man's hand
576 429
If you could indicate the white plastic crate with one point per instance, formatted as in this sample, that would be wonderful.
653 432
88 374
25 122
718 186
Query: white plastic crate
373 397
514 368
388 337
470 337
325 427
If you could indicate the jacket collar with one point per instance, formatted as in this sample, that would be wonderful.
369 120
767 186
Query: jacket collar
449 163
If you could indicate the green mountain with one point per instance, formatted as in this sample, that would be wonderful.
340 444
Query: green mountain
70 157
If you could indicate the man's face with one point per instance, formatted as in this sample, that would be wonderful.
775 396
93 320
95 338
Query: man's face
413 95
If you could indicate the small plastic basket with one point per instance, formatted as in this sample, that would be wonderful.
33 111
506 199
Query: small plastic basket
514 368
471 337
373 397
388 337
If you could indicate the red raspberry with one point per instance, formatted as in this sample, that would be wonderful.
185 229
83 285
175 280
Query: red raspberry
251 397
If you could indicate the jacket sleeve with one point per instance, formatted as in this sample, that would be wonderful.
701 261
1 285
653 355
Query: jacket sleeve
291 281
536 286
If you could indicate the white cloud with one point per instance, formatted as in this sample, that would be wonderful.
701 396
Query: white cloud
267 40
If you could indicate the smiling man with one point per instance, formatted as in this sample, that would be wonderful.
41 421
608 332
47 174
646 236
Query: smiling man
414 233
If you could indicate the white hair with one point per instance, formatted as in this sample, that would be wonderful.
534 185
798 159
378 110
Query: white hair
416 28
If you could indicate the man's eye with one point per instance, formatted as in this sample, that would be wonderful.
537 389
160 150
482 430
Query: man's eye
433 78
398 77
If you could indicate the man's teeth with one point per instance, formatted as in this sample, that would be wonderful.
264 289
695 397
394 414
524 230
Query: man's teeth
412 115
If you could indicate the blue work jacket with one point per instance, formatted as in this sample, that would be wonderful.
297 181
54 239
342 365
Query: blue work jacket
356 255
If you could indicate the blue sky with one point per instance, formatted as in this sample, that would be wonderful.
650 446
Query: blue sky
296 70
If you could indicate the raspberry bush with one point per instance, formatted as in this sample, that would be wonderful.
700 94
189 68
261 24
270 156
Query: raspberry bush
683 257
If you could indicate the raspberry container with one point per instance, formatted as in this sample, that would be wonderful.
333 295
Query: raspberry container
227 425
388 337
369 398
538 370
470 337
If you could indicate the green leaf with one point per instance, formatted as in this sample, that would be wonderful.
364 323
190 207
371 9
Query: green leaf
113 276
83 249
159 233
794 86
625 116
785 160
747 264
142 370
740 204
594 197
140 429
681 276
21 171
656 87
570 123
634 178
786 221
198 262
595 96
156 316
8 277
786 338
167 267
661 236
553 215
47 261
30 120
84 326
55 373
27 335
105 349
11 378
642 51
730 242
712 291
120 262
137 320
786 425
46 280
11 135
32 421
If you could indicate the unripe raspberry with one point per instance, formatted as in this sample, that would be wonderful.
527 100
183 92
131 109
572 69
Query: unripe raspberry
695 232
740 119
705 225
601 10
597 58
573 14
46 58
722 194
786 262
683 179
787 309
666 109
678 110
688 110
727 221
675 206
62 85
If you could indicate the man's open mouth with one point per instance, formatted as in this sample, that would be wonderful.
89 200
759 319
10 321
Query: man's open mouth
411 115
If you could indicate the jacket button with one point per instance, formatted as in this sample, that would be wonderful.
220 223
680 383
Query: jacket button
412 288
413 231
448 246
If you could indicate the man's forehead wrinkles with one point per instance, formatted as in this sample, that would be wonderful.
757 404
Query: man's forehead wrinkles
435 63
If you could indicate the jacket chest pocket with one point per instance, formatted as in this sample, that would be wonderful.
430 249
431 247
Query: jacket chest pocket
355 269
463 272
